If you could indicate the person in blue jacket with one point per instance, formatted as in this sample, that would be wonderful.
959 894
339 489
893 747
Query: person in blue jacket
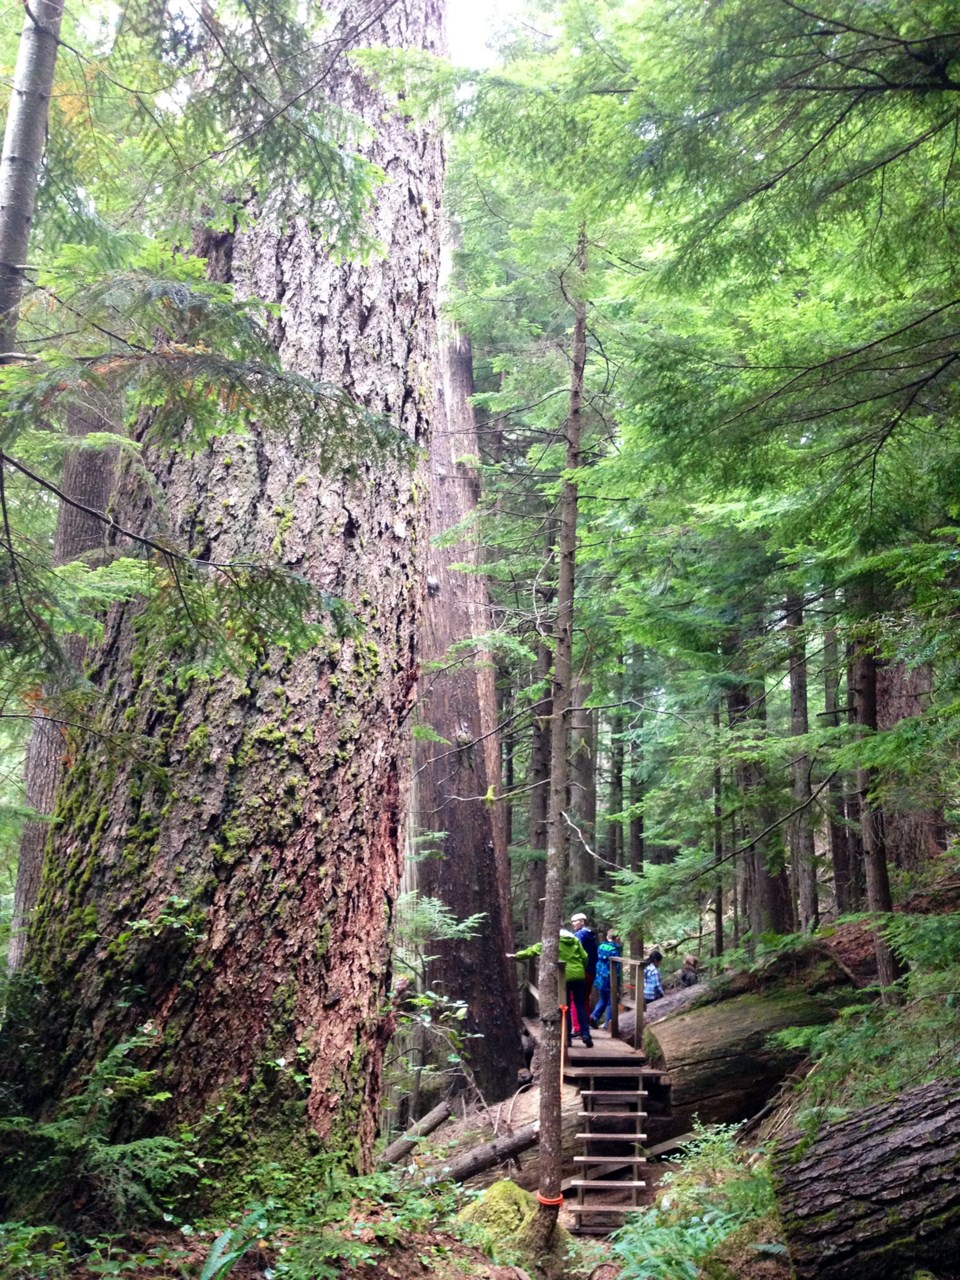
652 986
608 953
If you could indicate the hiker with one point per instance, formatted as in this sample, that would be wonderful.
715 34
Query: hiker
608 953
588 940
688 974
652 986
574 959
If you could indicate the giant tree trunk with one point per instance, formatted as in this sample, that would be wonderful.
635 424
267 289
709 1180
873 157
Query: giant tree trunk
917 834
876 1197
235 895
457 778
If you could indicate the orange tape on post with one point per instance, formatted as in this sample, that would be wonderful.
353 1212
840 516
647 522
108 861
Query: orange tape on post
550 1201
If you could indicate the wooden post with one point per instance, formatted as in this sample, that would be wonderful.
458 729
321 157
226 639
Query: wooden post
614 997
563 1043
638 1021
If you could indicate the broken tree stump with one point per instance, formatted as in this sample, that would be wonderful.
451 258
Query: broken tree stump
876 1196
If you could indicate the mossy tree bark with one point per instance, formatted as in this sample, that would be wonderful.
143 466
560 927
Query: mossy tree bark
457 789
259 854
88 477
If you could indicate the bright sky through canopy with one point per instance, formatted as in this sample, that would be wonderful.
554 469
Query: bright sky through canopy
470 24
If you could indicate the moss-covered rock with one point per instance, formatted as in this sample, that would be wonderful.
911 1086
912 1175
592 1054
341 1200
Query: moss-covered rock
755 1252
504 1214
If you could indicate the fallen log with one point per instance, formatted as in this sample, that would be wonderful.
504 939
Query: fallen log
876 1196
719 1057
402 1146
478 1159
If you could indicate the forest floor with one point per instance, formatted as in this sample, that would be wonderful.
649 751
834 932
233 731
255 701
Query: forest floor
419 1255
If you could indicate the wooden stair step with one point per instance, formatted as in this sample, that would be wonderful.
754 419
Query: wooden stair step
599 1070
604 1185
614 1137
624 1160
613 1094
605 1208
613 1115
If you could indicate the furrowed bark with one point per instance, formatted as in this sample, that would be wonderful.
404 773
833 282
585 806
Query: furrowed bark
458 782
88 477
876 1197
235 898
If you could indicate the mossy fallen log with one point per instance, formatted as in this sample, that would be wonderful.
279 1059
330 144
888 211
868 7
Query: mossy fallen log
720 1058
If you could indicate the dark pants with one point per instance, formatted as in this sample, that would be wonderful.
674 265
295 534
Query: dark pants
577 999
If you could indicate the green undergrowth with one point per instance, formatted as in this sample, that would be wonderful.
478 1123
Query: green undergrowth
897 1040
339 1223
717 1190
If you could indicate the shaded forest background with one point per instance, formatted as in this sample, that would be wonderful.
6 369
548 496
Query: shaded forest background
376 539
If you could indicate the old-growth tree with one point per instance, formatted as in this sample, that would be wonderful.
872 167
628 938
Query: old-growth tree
230 887
457 787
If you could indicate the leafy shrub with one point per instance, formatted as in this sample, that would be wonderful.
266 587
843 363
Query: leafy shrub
75 1160
718 1187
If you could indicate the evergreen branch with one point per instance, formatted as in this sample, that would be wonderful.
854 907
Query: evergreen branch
167 552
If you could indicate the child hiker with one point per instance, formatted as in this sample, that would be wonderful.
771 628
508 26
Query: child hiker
608 953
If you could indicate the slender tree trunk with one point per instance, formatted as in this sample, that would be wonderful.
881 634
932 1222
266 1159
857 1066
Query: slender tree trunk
87 477
255 844
801 830
551 996
538 783
718 843
583 787
24 141
839 834
613 841
636 685
863 680
852 795
458 778
766 891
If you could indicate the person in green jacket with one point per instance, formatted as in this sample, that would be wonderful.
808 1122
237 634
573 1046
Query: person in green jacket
574 959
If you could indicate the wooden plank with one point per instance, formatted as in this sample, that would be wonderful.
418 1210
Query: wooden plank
614 1115
613 1093
615 1073
604 1208
614 1137
601 1184
621 1160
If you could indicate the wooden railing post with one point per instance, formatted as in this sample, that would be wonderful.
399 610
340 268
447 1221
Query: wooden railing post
638 1021
614 997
